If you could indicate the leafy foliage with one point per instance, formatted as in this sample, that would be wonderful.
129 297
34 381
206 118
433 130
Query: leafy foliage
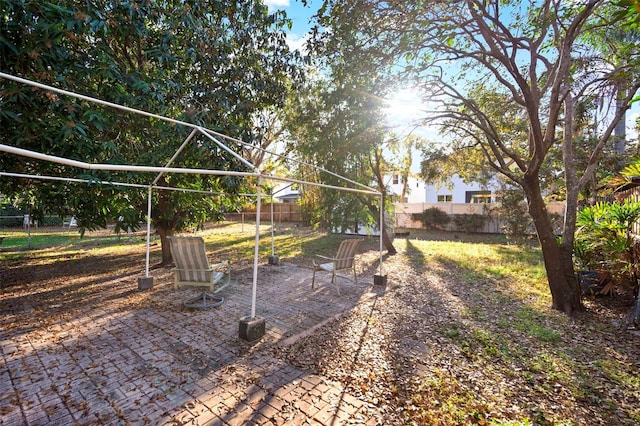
432 218
338 127
502 79
469 222
515 222
604 240
215 64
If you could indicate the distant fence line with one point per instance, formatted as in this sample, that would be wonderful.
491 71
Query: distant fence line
289 212
282 212
490 223
14 221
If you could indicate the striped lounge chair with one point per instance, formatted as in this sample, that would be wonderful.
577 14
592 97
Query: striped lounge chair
192 265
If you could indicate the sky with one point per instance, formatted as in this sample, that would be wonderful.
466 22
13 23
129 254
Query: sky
405 105
299 15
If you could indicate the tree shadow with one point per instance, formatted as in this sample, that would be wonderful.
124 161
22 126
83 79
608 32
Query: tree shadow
86 316
500 325
438 315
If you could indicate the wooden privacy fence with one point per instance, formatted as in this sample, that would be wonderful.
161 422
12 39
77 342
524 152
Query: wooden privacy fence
489 223
632 195
282 212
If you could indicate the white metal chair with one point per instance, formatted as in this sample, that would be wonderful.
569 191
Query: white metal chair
345 259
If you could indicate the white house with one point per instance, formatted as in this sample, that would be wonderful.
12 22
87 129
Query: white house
416 188
286 193
417 191
454 191
458 191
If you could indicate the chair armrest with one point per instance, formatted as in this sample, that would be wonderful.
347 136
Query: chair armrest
225 264
325 258
193 270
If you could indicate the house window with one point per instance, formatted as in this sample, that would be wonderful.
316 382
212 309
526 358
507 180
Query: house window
396 179
477 197
445 198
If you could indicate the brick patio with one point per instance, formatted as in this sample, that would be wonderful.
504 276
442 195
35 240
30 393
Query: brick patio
159 363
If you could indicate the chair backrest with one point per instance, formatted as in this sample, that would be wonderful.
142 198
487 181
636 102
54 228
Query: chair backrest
190 258
346 254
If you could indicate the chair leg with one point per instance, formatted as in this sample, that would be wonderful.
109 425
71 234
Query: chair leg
334 281
355 275
225 280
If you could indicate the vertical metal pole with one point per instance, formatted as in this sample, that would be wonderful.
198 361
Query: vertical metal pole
148 231
256 252
29 230
381 228
273 253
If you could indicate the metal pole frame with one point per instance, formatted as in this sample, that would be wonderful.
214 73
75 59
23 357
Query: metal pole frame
150 193
256 252
166 169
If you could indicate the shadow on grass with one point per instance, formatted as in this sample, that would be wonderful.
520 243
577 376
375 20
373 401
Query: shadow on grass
522 339
480 335
452 329
416 256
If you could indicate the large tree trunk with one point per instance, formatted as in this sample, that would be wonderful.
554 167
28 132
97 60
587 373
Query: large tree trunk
163 226
164 244
386 239
376 166
565 290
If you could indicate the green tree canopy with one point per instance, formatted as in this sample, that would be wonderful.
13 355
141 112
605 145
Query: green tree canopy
338 125
505 78
216 64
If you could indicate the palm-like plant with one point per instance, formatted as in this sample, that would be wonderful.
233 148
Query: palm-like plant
628 175
604 240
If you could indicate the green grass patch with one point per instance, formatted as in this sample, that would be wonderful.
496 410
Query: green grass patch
50 246
623 374
442 399
518 269
491 344
451 330
22 241
285 244
529 322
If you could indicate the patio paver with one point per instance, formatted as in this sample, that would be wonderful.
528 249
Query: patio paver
160 363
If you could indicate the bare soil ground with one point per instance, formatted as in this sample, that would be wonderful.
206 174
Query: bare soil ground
430 347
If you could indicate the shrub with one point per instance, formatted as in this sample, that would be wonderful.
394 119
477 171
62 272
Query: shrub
469 222
604 240
514 219
432 218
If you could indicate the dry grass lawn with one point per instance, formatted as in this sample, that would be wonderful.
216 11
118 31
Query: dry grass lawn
462 333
